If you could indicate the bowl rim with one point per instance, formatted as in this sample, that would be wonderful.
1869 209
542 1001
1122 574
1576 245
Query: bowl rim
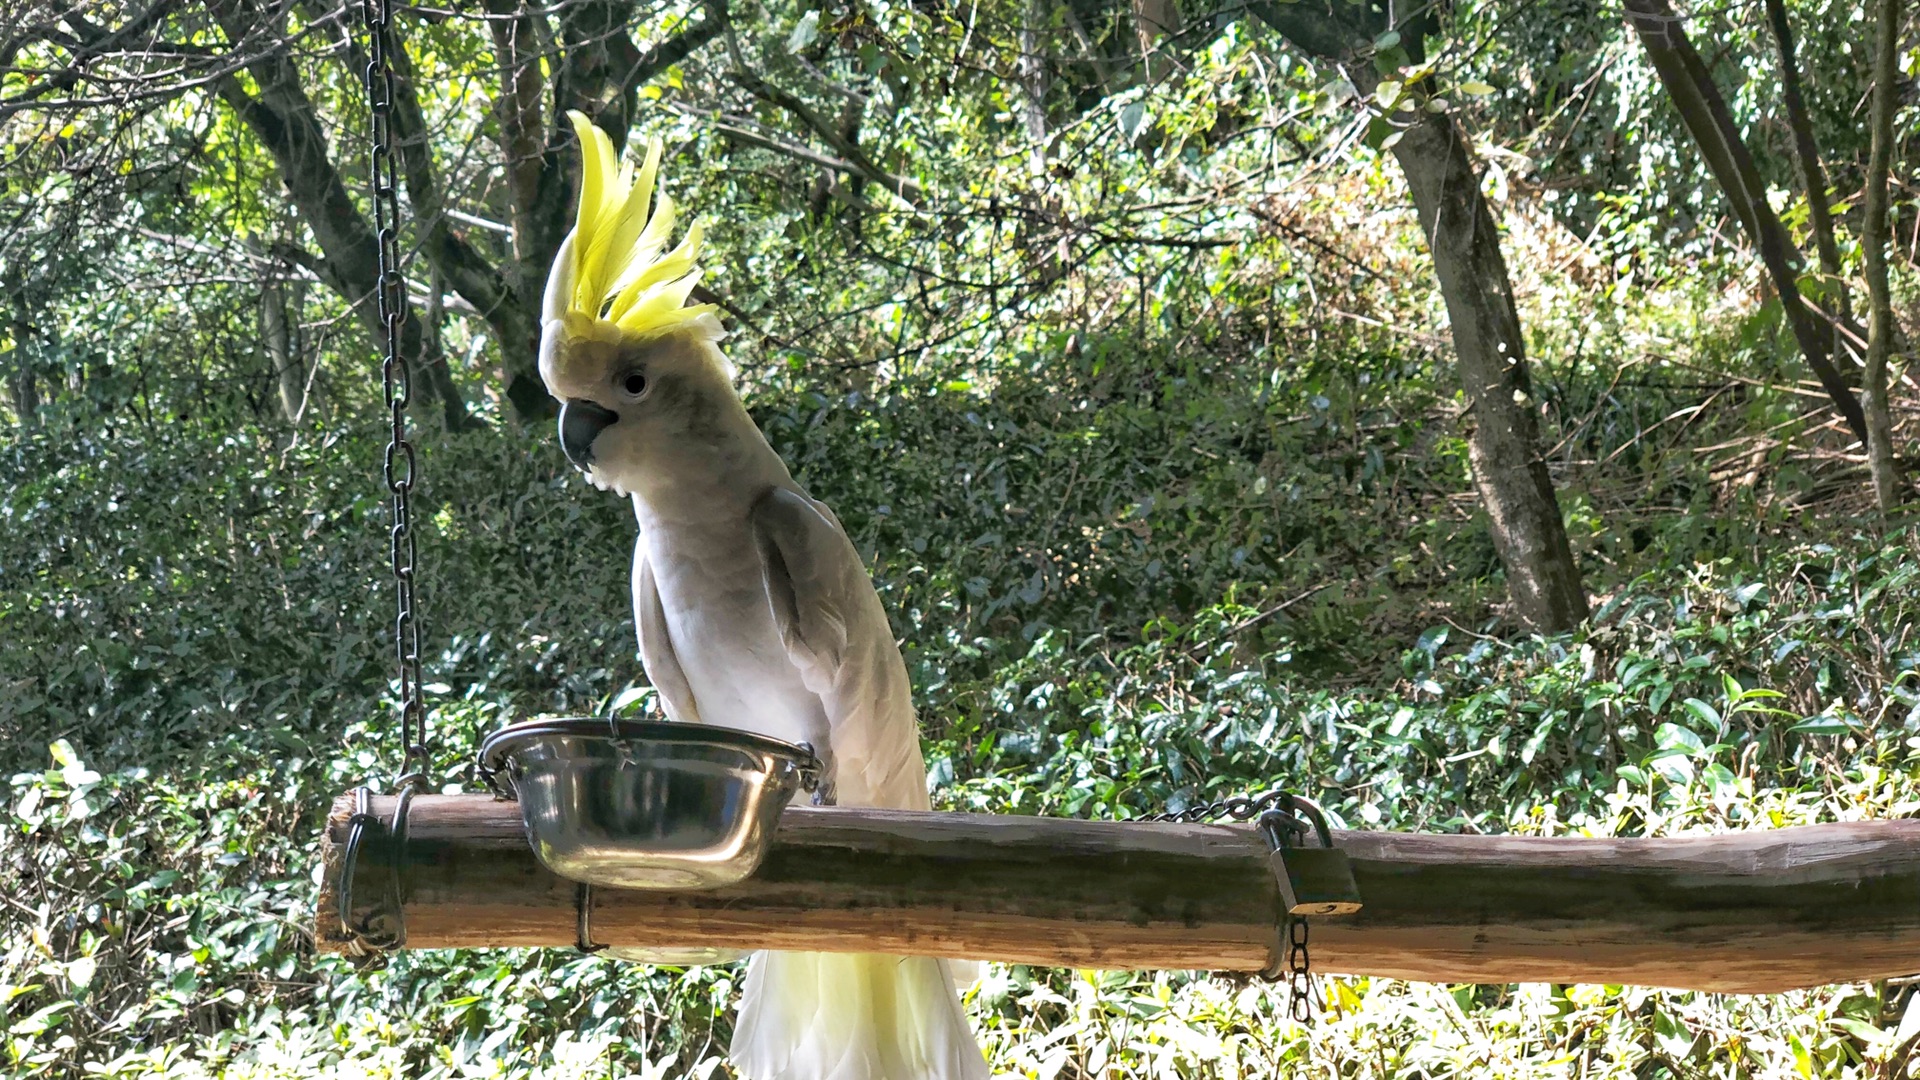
498 746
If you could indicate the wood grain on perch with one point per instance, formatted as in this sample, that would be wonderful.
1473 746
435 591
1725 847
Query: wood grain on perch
1757 911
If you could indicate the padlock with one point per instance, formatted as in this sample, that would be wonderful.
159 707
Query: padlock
1312 880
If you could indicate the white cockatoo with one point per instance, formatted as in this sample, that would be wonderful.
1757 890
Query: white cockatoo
753 608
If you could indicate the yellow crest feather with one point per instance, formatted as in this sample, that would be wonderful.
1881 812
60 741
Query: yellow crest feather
619 273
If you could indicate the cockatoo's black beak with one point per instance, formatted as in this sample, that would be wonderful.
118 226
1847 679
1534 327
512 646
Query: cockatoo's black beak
580 422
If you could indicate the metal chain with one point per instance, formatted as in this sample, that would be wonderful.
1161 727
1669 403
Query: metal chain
1299 971
383 926
396 379
1236 807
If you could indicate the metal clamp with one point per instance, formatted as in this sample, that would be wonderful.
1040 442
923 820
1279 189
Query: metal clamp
1311 881
813 777
384 927
583 919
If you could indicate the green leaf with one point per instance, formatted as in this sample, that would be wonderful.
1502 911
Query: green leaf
1673 739
1473 89
629 698
1706 713
1861 1030
1823 724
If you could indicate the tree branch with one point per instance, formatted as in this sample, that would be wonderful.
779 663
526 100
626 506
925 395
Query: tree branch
1874 234
854 159
1690 87
285 121
1807 149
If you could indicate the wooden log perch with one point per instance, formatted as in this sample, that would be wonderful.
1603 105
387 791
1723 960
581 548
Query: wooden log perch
1746 912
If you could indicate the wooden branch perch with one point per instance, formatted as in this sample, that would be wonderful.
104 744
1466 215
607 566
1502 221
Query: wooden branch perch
1748 912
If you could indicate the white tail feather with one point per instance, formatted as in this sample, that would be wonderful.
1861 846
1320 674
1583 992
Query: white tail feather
836 1016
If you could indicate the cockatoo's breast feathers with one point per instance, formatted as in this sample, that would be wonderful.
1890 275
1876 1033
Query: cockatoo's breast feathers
613 280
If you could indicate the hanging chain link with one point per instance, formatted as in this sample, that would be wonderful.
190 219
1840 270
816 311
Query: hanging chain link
396 379
1299 972
1299 969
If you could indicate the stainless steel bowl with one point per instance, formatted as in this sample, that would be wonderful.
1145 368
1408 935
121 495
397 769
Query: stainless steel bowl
647 804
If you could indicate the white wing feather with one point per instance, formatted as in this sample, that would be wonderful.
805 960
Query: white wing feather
656 648
836 635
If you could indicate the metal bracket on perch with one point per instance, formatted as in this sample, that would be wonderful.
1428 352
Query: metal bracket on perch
381 927
1312 880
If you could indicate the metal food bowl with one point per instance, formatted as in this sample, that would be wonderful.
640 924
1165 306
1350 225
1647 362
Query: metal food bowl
647 804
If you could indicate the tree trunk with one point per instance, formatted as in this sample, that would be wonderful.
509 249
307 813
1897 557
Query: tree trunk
1153 22
281 300
285 121
517 56
433 355
1033 82
1813 176
1873 242
1704 112
22 385
23 391
1503 438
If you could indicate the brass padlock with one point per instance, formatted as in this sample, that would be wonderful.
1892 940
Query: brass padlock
1313 880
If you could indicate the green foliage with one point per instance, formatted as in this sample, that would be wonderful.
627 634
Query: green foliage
195 627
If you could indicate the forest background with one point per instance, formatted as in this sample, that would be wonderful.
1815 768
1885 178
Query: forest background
1186 459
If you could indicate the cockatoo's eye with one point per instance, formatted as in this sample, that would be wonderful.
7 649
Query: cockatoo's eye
633 384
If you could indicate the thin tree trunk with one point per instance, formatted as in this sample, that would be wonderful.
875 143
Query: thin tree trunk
22 387
280 305
1690 87
1503 439
1873 241
1812 174
1033 81
1153 22
433 355
23 393
1090 50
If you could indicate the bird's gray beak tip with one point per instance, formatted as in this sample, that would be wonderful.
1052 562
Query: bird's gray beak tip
582 421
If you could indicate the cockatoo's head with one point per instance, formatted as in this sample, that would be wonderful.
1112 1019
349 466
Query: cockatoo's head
635 369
